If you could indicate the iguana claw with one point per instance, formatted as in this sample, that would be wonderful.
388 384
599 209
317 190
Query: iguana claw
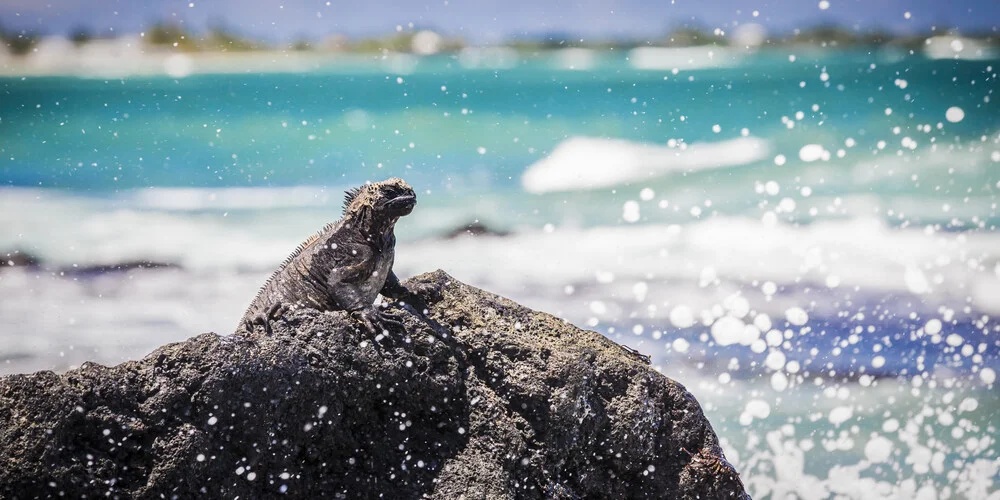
264 319
418 295
377 322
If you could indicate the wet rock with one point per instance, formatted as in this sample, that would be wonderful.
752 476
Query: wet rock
18 258
486 399
475 228
118 267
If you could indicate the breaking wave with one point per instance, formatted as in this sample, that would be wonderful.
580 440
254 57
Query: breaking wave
591 163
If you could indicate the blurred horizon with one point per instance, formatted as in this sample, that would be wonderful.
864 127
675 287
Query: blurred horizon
492 21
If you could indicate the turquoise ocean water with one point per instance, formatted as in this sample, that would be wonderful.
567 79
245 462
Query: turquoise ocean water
806 238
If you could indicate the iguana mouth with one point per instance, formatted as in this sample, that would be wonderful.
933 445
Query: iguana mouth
402 201
402 204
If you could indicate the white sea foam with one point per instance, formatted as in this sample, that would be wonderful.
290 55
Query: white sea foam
671 260
488 57
575 58
114 317
861 253
956 47
969 161
590 163
780 459
812 152
233 198
157 225
684 58
125 56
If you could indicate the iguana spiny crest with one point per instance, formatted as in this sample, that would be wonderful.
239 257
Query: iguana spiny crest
379 202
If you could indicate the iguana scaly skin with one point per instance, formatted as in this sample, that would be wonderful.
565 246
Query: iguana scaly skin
345 266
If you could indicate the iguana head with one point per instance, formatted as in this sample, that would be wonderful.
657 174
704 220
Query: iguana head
391 198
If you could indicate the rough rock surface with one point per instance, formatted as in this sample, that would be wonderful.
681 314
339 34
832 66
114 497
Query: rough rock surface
488 399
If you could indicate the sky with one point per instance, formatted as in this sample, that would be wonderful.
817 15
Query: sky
491 20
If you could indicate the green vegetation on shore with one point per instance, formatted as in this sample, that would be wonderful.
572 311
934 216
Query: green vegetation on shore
219 38
18 43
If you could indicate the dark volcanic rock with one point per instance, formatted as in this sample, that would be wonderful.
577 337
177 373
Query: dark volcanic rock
120 267
18 258
488 399
474 228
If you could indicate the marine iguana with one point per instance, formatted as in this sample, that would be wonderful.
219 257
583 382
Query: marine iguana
346 265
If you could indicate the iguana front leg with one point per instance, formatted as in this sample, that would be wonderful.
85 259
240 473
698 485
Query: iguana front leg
395 290
374 319
349 297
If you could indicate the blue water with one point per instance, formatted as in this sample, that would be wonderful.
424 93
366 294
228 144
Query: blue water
332 127
464 136
866 280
